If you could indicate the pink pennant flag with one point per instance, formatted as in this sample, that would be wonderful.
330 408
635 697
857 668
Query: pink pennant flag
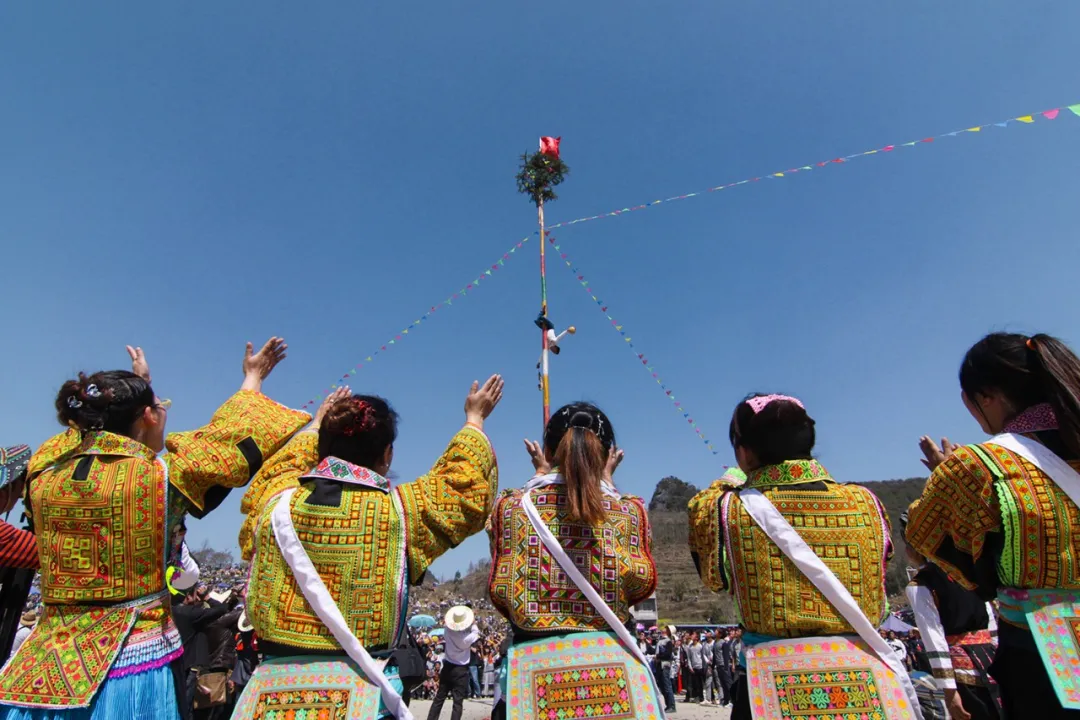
888 148
1051 114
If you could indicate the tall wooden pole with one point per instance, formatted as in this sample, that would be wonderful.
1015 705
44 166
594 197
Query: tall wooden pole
545 384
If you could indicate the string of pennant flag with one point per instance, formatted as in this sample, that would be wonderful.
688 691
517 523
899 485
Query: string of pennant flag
411 327
1033 118
1022 119
621 329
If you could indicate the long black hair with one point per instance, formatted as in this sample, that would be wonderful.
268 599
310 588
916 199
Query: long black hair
580 438
780 431
1028 371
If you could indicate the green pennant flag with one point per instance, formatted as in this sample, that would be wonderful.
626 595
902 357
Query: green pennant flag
1075 109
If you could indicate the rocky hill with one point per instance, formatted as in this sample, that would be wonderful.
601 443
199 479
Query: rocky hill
680 595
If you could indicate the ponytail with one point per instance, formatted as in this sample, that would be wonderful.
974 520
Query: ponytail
1057 370
580 438
581 459
1028 371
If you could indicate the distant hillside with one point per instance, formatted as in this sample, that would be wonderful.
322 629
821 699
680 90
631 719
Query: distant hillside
672 494
681 597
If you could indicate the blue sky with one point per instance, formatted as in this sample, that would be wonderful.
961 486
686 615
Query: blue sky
191 176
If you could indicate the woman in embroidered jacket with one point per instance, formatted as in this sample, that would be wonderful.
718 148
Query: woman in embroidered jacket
609 539
773 437
366 542
102 503
998 516
960 636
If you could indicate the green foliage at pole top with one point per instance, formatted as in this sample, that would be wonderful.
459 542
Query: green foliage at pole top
539 174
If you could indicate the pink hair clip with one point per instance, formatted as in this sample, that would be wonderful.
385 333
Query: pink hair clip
757 404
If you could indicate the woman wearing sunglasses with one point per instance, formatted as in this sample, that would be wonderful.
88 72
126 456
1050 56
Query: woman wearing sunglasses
102 503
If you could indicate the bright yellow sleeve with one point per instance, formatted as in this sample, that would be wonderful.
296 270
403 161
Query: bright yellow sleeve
706 537
957 510
281 472
451 502
243 433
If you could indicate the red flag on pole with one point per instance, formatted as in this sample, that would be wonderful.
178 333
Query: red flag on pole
550 146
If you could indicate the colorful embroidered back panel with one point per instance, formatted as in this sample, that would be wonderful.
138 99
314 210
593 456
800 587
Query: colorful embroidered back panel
530 588
1053 616
845 527
358 549
825 678
299 688
67 657
100 521
578 675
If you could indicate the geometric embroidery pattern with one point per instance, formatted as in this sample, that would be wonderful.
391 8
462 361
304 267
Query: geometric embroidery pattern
67 656
1056 628
101 538
99 504
365 547
358 549
323 690
983 489
530 588
826 678
843 524
579 675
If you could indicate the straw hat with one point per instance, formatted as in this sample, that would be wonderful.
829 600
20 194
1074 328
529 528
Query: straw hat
243 624
459 617
28 619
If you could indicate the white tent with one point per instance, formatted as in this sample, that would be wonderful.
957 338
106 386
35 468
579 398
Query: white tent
896 625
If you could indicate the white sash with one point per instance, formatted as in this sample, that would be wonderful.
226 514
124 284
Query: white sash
322 602
773 524
1043 458
556 550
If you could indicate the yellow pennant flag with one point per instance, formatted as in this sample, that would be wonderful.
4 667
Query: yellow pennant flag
778 174
975 129
1026 119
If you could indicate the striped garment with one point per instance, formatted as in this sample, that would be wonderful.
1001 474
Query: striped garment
18 549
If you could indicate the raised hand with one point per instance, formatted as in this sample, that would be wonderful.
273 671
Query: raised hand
536 455
139 365
615 458
482 400
339 394
258 365
934 455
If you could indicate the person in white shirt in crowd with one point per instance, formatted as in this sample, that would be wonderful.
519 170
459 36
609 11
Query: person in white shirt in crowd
897 645
461 633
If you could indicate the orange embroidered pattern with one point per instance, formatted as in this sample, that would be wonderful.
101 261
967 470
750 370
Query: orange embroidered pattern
531 590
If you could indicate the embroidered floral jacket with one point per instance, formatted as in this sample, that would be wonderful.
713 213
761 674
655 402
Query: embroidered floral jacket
846 526
103 506
991 519
535 595
367 541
